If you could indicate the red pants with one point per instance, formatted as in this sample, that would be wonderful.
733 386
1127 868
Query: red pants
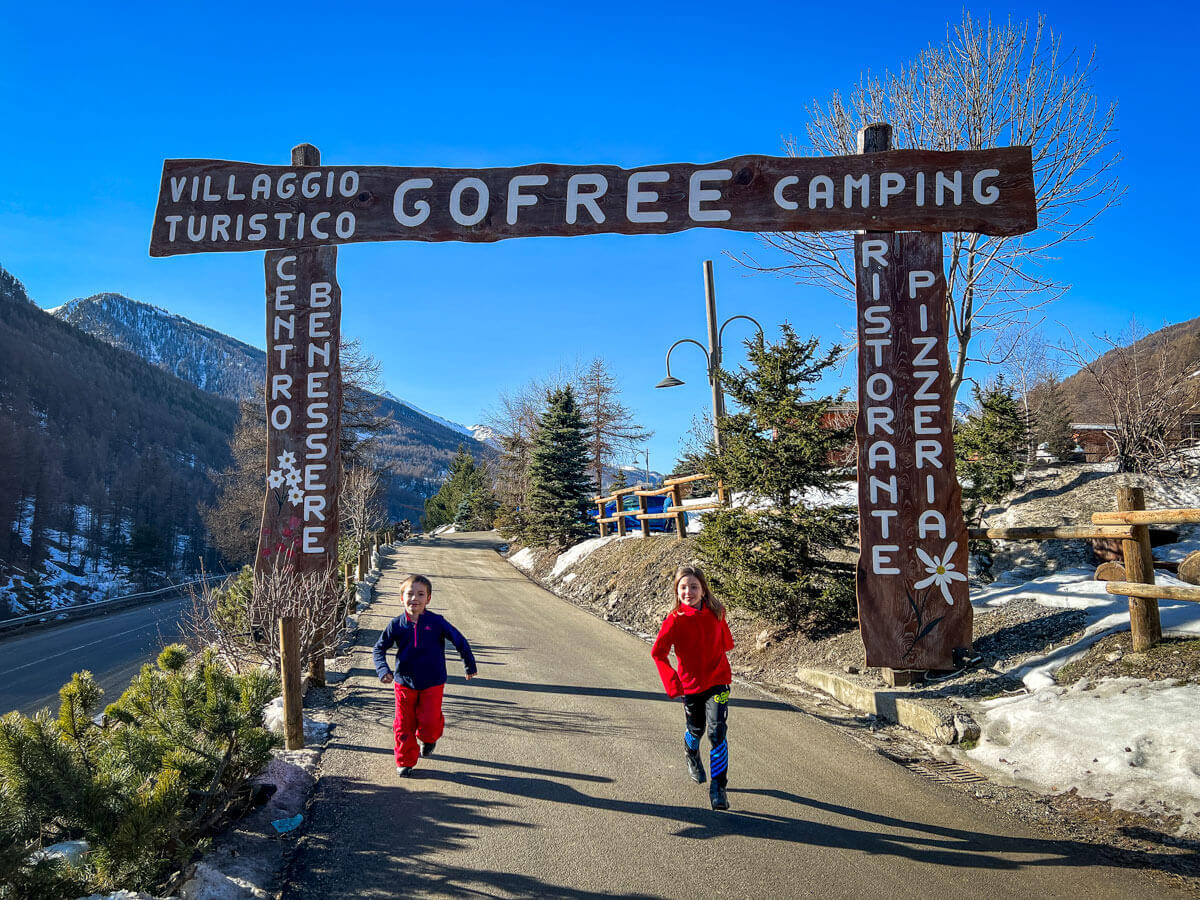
418 715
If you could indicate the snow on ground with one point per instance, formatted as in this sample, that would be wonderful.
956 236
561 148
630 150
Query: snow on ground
578 553
1076 589
1129 741
523 559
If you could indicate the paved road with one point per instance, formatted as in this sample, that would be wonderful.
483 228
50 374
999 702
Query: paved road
113 648
561 774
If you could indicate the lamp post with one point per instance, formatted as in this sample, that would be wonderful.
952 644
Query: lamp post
712 354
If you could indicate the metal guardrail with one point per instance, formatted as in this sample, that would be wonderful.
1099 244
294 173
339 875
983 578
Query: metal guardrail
67 614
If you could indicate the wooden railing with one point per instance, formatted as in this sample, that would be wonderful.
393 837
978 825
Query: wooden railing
676 510
1129 523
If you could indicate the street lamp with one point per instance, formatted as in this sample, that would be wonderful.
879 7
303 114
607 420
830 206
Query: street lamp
712 354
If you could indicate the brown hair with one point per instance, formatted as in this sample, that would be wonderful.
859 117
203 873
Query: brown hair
706 597
417 579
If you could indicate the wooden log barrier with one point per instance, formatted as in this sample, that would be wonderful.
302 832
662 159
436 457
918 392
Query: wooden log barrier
1147 516
1052 533
289 667
1154 591
1144 623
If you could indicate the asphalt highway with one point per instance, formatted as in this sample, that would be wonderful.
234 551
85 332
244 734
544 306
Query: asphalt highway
562 774
112 647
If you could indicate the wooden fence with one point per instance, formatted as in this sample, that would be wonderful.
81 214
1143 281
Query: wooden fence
1129 523
676 510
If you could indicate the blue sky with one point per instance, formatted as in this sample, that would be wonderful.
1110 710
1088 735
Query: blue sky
94 99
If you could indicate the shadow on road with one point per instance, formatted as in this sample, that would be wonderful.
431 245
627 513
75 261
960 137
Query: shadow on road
396 833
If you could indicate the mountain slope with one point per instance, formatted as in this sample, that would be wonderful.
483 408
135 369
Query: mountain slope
416 447
100 451
1180 343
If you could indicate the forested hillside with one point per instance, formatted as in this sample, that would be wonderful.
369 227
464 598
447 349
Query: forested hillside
1179 343
414 450
105 458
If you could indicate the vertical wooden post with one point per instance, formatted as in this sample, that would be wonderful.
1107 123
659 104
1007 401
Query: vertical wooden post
599 516
1144 623
289 666
644 511
316 660
722 493
619 512
876 138
680 517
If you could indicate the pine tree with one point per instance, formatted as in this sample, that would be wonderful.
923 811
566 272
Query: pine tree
465 497
779 446
559 484
989 446
619 482
1053 419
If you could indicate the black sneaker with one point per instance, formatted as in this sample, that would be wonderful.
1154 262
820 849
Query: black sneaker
716 793
427 749
404 771
695 768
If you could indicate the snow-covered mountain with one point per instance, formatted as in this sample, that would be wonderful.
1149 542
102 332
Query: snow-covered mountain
417 444
481 433
210 360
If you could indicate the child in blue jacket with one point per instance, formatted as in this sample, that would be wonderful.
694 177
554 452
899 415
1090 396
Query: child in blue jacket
420 672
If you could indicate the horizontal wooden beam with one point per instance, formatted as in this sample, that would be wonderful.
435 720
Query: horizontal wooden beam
1052 533
654 493
1154 591
687 479
662 515
697 508
1147 517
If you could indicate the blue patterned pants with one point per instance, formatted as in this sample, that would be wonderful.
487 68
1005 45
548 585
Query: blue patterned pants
709 711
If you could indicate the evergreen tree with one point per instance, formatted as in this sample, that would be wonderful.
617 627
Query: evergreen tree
1053 419
560 487
465 497
779 446
989 446
619 482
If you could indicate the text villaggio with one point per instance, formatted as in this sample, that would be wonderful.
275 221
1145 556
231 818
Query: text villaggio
211 205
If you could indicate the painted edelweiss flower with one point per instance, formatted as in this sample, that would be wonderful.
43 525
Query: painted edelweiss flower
287 460
293 478
296 496
275 479
941 571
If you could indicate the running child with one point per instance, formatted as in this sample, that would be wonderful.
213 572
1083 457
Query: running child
420 671
697 630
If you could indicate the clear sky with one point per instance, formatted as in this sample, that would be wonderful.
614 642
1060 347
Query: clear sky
94 97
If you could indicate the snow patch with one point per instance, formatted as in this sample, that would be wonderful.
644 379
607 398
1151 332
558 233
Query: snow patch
523 559
1129 741
578 553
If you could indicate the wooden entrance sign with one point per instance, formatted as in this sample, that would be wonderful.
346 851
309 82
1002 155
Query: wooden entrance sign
207 205
913 607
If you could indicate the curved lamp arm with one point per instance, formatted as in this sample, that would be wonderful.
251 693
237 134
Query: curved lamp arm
734 319
669 381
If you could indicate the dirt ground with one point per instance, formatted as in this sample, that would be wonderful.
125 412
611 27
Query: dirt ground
628 583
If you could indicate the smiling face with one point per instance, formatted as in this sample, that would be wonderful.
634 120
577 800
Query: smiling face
689 591
416 597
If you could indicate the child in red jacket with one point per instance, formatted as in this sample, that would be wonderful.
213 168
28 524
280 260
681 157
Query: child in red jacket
697 630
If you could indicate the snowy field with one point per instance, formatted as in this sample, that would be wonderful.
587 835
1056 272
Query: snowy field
1132 742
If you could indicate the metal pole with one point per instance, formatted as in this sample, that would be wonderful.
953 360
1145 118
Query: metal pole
714 353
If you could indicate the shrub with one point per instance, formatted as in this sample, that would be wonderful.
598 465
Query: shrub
171 761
